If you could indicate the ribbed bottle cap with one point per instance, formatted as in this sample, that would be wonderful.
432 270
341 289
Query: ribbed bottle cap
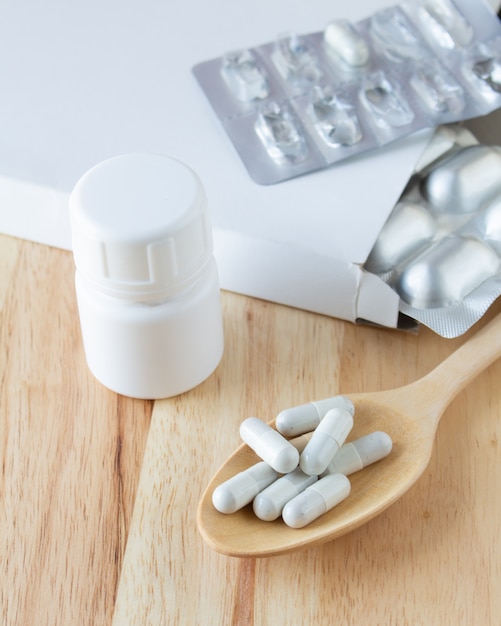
139 226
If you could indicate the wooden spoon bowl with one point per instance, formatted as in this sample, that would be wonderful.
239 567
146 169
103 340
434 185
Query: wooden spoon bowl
409 414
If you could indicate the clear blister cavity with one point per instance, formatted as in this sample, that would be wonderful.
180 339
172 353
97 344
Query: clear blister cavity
445 23
437 88
335 119
385 103
244 77
484 68
280 133
394 36
297 61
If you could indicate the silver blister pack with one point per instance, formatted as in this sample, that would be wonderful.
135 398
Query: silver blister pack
306 101
440 248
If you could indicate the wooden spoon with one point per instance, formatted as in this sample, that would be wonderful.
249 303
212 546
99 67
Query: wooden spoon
409 414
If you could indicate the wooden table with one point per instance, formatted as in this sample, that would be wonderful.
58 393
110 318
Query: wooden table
75 551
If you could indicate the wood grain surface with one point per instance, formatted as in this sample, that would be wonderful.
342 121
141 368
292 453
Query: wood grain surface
70 450
432 559
71 471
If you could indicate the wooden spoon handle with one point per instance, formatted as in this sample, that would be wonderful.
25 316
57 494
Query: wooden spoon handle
438 388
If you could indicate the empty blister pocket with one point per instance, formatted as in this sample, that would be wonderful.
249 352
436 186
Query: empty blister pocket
306 101
440 249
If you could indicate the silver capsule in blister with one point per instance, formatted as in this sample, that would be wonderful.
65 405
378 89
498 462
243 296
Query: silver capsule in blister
465 181
489 222
409 228
446 272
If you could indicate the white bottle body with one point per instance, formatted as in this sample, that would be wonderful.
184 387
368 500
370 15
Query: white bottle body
152 351
146 277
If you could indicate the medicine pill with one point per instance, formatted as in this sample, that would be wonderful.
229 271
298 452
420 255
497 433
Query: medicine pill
269 445
394 36
268 504
326 440
360 453
304 418
239 490
316 500
345 42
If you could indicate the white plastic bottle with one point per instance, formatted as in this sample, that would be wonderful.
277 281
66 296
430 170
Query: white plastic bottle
146 278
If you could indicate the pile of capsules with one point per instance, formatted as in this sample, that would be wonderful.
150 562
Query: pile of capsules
305 463
440 248
306 101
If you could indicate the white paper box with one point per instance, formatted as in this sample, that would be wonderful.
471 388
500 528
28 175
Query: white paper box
82 82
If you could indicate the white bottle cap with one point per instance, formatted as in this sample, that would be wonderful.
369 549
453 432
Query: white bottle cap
140 228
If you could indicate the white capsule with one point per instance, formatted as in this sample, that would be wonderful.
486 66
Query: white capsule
242 488
360 453
345 42
326 440
306 417
268 504
316 500
269 445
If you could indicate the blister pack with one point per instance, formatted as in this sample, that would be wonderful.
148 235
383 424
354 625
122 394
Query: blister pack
440 248
306 101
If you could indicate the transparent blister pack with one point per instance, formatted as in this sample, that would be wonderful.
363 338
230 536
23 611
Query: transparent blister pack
440 248
306 101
